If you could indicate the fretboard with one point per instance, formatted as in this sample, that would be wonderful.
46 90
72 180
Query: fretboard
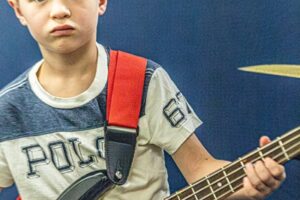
229 179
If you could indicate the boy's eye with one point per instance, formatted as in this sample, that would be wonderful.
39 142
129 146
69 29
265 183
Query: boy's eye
39 1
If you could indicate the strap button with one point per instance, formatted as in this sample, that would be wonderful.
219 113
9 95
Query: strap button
119 175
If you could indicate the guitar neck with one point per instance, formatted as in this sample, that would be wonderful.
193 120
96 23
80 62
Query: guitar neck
229 179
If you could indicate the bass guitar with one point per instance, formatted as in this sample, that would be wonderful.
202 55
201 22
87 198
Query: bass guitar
216 186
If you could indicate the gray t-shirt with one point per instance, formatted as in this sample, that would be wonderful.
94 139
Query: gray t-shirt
47 142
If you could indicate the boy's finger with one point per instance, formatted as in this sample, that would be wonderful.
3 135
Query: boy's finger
250 190
275 169
254 179
264 140
265 175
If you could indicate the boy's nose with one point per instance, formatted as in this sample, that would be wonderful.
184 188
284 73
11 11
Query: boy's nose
59 10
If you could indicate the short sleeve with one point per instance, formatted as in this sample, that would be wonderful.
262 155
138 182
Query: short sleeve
6 179
171 120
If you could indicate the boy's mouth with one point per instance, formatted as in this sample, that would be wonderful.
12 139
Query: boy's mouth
62 30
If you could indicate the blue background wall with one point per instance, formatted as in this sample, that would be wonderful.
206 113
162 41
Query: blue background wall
201 44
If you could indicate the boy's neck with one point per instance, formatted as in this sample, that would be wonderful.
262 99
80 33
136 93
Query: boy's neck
68 75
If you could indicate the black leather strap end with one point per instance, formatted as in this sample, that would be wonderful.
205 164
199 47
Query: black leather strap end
89 187
119 151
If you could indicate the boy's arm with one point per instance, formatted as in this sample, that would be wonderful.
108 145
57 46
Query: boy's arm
195 162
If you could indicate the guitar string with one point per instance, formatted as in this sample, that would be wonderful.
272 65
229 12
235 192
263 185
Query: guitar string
278 138
279 155
236 169
196 192
240 177
239 185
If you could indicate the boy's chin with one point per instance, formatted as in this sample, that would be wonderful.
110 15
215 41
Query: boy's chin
62 48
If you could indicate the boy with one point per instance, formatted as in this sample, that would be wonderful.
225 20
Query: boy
52 116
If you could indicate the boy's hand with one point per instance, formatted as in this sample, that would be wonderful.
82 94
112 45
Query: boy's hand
263 177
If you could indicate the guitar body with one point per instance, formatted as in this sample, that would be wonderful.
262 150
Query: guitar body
90 187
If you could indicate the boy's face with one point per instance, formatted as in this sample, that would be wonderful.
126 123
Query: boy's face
60 25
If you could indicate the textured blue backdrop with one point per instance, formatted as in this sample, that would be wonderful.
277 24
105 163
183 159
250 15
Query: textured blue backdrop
201 44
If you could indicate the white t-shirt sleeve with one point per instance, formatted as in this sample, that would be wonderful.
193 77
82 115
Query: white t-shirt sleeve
6 179
171 120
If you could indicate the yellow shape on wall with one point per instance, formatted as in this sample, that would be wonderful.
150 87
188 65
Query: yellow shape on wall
277 69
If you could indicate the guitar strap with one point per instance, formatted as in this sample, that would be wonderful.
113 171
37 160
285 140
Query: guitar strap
126 77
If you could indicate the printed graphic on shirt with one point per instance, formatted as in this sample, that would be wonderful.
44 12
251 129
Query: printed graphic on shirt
36 157
176 110
66 156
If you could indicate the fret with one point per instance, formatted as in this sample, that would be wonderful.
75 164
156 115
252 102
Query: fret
251 157
217 180
235 165
194 193
218 183
294 150
261 155
229 183
283 150
292 135
180 195
186 192
273 150
242 163
177 195
236 177
173 197
201 188
287 142
235 173
191 197
212 191
292 144
222 191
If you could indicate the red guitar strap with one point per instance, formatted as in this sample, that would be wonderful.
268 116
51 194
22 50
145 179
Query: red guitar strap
125 89
124 98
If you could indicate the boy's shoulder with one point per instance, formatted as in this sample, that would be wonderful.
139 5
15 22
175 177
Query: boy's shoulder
15 89
152 66
150 69
13 97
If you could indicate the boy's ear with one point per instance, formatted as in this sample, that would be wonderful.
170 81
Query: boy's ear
102 6
15 6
